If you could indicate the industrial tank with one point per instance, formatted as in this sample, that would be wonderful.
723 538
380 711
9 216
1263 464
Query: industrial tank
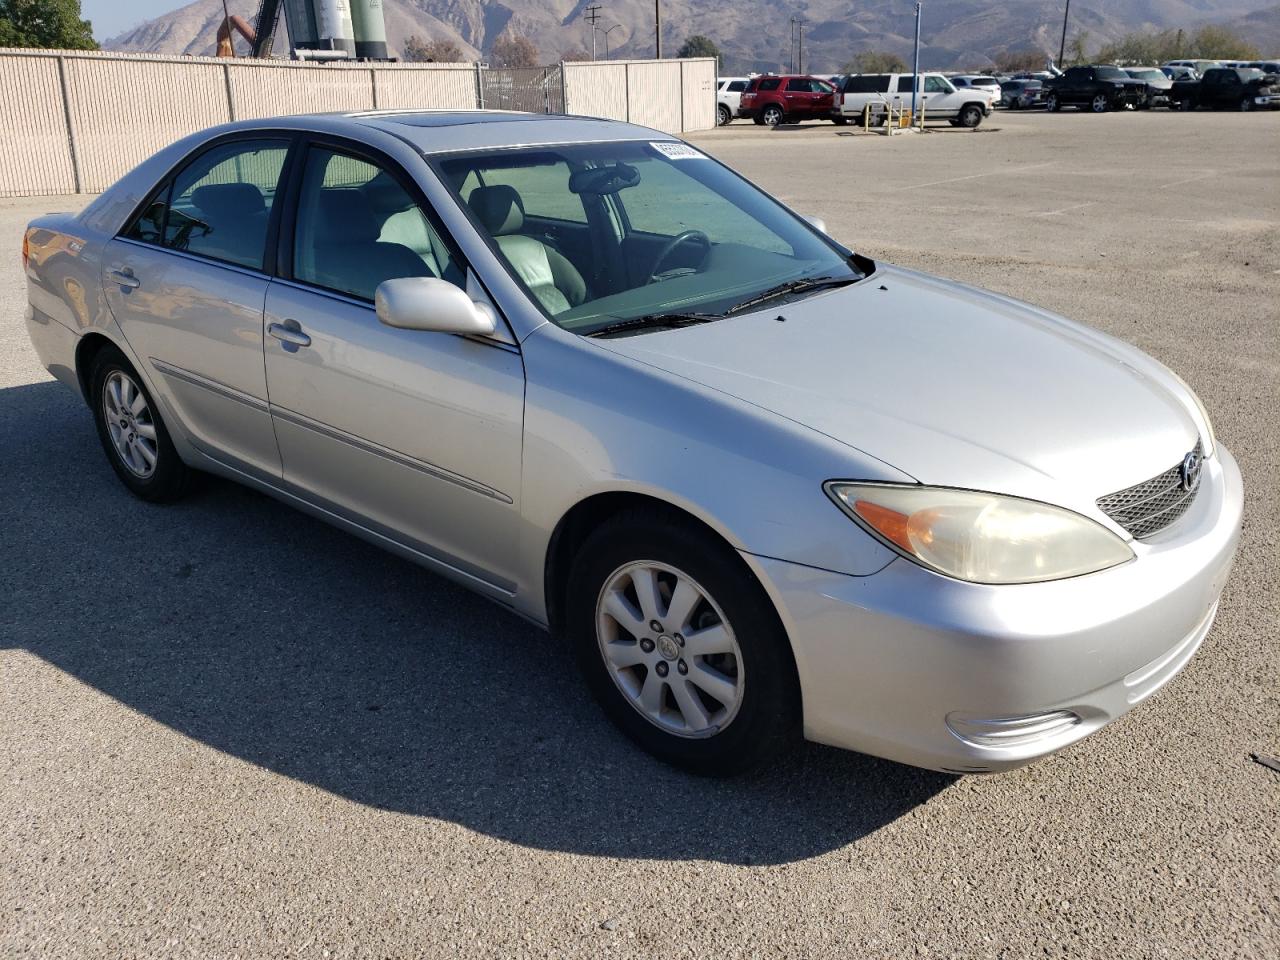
370 29
322 25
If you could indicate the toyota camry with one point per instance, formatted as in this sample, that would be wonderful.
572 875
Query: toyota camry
763 486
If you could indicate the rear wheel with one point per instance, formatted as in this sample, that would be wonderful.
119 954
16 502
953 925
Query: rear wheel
1246 104
839 120
132 432
679 644
723 115
772 116
1100 104
1187 105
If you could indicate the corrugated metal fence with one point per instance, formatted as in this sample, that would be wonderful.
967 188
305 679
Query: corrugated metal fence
74 122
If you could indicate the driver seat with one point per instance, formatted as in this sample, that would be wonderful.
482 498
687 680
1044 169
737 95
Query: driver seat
553 279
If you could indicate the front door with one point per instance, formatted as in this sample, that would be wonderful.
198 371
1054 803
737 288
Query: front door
414 435
185 281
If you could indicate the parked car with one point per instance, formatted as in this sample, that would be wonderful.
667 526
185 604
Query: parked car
1180 73
763 485
936 96
1228 88
728 94
1158 85
774 99
1021 94
1199 66
971 80
1266 66
1098 88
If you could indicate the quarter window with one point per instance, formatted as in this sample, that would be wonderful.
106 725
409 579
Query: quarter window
358 226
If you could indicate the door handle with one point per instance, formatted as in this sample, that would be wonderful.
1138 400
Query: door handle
125 278
289 334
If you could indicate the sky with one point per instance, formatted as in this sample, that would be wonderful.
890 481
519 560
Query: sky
111 17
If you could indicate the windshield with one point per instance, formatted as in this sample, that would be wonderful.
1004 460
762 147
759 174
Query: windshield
1111 73
600 233
1146 74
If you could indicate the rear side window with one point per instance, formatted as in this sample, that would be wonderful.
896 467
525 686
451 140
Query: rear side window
905 84
218 205
737 86
769 83
867 83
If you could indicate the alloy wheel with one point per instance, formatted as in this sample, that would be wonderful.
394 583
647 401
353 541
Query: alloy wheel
130 424
723 115
772 116
1100 104
669 649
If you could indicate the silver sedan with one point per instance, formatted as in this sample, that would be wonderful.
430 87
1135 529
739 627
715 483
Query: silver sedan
764 486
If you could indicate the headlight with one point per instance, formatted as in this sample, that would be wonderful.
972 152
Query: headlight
981 537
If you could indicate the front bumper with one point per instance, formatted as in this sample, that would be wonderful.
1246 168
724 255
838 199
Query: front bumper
970 678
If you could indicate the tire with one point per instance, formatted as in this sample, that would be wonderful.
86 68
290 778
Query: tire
704 735
1188 105
970 116
1051 103
758 120
1246 104
1100 103
1015 104
840 121
723 116
772 115
124 413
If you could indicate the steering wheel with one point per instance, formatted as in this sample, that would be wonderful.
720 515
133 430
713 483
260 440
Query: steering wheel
676 241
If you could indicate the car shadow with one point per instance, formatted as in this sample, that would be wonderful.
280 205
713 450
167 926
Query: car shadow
277 639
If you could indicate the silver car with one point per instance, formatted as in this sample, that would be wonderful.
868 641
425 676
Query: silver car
763 485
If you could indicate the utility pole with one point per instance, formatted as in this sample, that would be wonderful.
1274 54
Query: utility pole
800 56
226 19
791 53
592 15
657 27
915 69
1062 50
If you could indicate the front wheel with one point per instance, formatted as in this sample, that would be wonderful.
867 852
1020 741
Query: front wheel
1187 105
681 647
772 116
132 432
1100 104
1051 103
970 116
723 116
1246 104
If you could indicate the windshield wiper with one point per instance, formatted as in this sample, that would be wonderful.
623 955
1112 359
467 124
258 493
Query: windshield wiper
651 321
791 286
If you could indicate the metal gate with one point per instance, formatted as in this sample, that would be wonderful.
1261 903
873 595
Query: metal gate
531 89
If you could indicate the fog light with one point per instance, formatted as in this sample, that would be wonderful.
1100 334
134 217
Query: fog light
1017 731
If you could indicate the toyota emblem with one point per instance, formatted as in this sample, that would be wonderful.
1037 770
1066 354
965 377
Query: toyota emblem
1190 471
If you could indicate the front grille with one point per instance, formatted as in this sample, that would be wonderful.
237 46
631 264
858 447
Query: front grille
1148 507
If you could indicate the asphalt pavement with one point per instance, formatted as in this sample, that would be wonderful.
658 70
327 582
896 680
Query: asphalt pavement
227 730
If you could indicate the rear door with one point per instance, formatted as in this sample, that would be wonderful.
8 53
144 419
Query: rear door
186 281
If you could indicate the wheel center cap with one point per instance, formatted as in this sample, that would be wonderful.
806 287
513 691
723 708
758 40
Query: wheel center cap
667 647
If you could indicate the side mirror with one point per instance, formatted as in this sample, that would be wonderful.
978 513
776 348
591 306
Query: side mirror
425 303
817 223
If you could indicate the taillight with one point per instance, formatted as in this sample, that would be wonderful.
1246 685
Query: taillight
26 250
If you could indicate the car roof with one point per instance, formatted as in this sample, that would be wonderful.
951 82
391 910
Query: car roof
447 131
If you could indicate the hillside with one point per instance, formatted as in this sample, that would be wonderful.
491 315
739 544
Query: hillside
754 34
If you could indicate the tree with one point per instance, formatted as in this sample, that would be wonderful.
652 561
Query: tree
418 50
1208 43
514 50
875 61
1219 43
45 24
698 46
1021 61
576 55
1077 51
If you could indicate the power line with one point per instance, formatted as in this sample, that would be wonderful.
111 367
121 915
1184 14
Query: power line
591 16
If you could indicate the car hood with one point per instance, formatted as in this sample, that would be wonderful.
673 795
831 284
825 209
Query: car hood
951 385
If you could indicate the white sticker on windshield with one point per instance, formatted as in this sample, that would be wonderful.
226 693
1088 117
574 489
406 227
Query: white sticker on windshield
677 151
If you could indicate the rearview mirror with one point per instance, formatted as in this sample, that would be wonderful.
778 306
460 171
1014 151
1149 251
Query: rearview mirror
817 223
425 303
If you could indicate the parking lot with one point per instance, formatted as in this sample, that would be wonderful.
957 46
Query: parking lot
227 730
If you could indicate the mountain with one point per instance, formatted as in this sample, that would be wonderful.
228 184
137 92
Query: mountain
753 34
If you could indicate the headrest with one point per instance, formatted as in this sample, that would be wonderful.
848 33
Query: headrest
498 208
228 199
343 216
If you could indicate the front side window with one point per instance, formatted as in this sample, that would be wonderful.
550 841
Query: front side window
670 230
936 85
358 226
218 205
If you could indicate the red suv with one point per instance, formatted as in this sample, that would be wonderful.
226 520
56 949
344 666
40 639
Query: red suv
773 99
